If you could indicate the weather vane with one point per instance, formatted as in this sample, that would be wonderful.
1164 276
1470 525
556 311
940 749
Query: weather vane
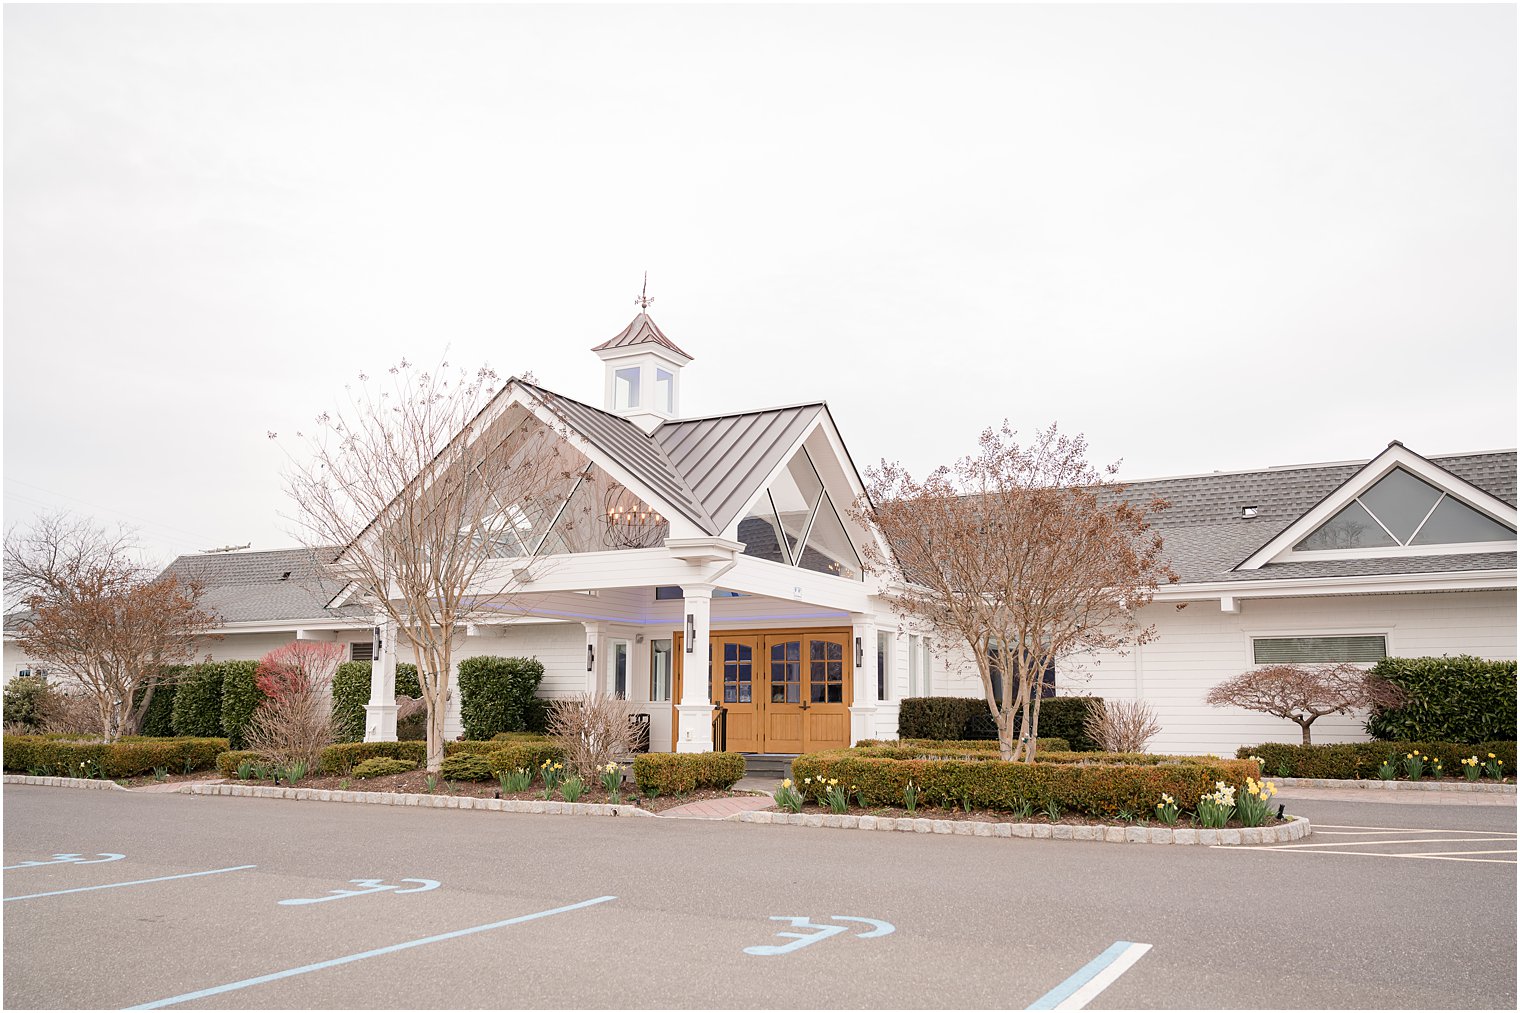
644 299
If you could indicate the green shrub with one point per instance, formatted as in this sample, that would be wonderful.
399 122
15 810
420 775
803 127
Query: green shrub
62 757
1101 789
227 763
1360 760
958 746
159 719
467 767
350 692
241 696
197 708
529 756
382 766
964 718
674 773
25 701
340 759
1461 699
495 694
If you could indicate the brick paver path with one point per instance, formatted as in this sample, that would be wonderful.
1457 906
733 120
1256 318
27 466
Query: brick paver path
719 808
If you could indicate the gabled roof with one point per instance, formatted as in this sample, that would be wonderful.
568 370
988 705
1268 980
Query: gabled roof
282 584
1206 536
725 458
640 330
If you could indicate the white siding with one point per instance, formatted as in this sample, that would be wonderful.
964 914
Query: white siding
1200 646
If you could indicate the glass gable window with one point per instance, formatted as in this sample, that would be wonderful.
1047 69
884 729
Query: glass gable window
795 522
625 388
1403 510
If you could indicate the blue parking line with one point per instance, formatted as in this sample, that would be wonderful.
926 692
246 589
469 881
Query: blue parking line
134 882
351 958
1088 971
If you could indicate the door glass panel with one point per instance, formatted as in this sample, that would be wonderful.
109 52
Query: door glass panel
786 672
826 671
738 673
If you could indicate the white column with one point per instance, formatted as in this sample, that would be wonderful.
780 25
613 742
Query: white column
863 709
380 712
695 711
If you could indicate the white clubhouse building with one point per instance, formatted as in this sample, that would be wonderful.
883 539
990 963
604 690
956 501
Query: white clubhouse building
730 535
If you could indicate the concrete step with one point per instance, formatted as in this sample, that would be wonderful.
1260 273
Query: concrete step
777 765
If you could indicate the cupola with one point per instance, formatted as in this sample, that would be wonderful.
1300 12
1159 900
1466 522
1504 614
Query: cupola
643 372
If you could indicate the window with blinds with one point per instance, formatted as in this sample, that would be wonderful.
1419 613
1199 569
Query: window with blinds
1319 650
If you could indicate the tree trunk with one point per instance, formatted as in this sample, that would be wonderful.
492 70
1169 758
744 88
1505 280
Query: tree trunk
1305 726
438 709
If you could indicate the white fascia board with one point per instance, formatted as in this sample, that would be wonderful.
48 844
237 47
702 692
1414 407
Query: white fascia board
680 525
589 571
289 626
1383 583
830 431
652 349
1397 455
751 575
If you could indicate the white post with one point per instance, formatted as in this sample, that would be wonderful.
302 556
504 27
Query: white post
695 711
594 661
863 709
380 712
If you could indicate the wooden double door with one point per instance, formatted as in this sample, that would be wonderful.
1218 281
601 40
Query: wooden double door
785 691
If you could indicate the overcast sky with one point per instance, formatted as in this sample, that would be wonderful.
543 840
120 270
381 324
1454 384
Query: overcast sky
1209 237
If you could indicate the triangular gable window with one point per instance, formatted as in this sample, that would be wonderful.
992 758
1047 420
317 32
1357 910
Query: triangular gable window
794 522
1402 510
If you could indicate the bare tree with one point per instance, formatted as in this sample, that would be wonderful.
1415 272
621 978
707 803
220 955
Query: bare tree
1025 554
437 488
1304 693
593 730
92 612
294 724
1122 726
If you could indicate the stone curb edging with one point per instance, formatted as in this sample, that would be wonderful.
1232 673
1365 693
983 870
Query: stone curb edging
65 782
1377 784
419 801
1295 829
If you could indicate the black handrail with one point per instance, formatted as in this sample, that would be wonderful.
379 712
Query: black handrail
720 730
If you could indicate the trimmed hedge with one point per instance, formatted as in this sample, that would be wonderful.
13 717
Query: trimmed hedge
25 700
197 709
1361 760
1090 788
497 694
159 720
960 746
241 696
382 766
63 757
529 756
965 718
676 773
340 759
1461 699
350 692
227 763
465 767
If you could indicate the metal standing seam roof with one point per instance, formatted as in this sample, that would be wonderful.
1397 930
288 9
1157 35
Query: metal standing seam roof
640 330
725 458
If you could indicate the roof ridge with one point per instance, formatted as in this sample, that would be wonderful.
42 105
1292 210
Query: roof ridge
1315 466
748 411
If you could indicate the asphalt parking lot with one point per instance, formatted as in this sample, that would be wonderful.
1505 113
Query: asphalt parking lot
233 903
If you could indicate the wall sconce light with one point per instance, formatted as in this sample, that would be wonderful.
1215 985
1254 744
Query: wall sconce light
691 633
860 653
590 657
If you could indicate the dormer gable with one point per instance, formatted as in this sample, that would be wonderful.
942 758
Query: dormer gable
1398 504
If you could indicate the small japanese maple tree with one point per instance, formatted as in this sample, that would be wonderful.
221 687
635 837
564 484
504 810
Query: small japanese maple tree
1303 693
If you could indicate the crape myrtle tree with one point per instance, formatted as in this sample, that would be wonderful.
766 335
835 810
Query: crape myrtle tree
1024 553
1304 693
92 612
435 489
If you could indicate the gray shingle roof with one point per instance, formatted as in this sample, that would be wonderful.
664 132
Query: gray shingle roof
640 330
1206 538
725 458
282 584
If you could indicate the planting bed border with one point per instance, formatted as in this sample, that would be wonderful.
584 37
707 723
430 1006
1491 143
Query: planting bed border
65 782
1294 829
505 805
1379 784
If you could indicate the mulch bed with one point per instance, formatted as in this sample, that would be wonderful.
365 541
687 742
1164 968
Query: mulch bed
925 812
414 782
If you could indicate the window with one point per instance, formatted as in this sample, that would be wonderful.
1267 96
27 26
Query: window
1402 510
361 651
1047 682
625 388
883 666
665 391
619 673
915 666
1319 650
794 522
826 671
738 673
661 658
786 672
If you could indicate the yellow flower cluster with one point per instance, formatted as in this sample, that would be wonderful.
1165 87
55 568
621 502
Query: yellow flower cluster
786 783
609 768
1472 761
552 765
1223 794
1263 790
1166 800
1410 756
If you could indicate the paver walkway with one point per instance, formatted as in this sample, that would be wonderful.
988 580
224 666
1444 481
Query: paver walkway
177 785
720 808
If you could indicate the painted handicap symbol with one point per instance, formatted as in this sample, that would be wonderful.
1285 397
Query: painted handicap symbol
800 939
69 858
369 886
